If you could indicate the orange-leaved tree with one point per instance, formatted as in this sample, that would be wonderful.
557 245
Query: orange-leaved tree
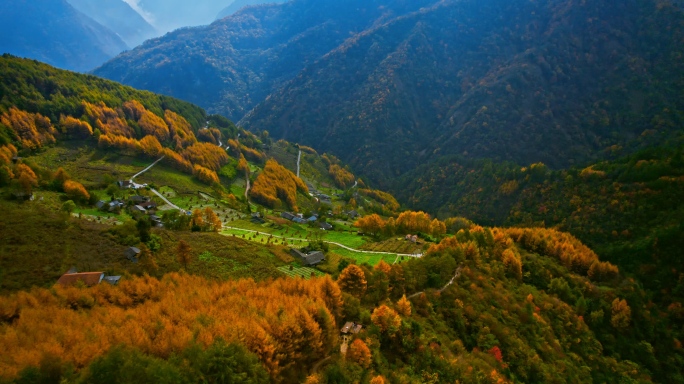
353 281
277 184
359 353
386 319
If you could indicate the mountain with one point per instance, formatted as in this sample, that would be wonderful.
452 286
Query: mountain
554 82
54 32
233 64
168 15
119 17
387 86
239 4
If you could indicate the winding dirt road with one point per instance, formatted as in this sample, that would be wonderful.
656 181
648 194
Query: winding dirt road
418 255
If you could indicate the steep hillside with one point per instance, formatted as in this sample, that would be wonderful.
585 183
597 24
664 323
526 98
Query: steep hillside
555 81
629 210
119 17
239 4
56 33
233 64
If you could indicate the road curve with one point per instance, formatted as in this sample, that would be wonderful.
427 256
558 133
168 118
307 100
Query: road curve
418 255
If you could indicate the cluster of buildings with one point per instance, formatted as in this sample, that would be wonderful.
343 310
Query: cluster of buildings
137 205
299 219
322 197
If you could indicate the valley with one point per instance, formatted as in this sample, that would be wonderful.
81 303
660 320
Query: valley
357 192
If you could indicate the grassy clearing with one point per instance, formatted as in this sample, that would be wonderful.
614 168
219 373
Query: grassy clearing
361 258
398 245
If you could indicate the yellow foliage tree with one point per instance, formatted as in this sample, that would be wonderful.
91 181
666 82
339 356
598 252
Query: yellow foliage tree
277 184
513 264
410 222
404 306
107 120
353 281
34 130
437 228
371 224
75 127
621 314
205 175
75 191
386 319
343 178
359 353
378 380
27 178
181 131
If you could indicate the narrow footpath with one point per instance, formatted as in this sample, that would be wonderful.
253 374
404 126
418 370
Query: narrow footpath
299 159
456 276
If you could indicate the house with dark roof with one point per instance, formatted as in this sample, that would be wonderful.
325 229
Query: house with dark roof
115 205
137 199
156 221
88 278
138 209
351 327
132 254
353 214
287 216
148 205
325 226
308 259
124 184
299 220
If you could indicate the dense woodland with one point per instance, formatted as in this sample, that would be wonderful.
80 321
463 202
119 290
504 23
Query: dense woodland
521 308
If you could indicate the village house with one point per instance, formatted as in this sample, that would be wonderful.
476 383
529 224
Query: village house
88 278
352 214
137 199
412 238
325 226
351 327
308 259
156 221
113 280
138 209
287 216
124 184
132 254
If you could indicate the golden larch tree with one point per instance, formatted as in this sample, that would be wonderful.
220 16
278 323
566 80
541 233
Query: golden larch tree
353 281
404 306
359 353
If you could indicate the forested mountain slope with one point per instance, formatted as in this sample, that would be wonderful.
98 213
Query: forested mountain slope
235 63
56 33
553 81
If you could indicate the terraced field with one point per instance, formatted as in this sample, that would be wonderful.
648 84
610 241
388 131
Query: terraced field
297 272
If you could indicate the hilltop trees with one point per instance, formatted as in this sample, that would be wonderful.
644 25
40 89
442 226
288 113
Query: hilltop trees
276 186
343 178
